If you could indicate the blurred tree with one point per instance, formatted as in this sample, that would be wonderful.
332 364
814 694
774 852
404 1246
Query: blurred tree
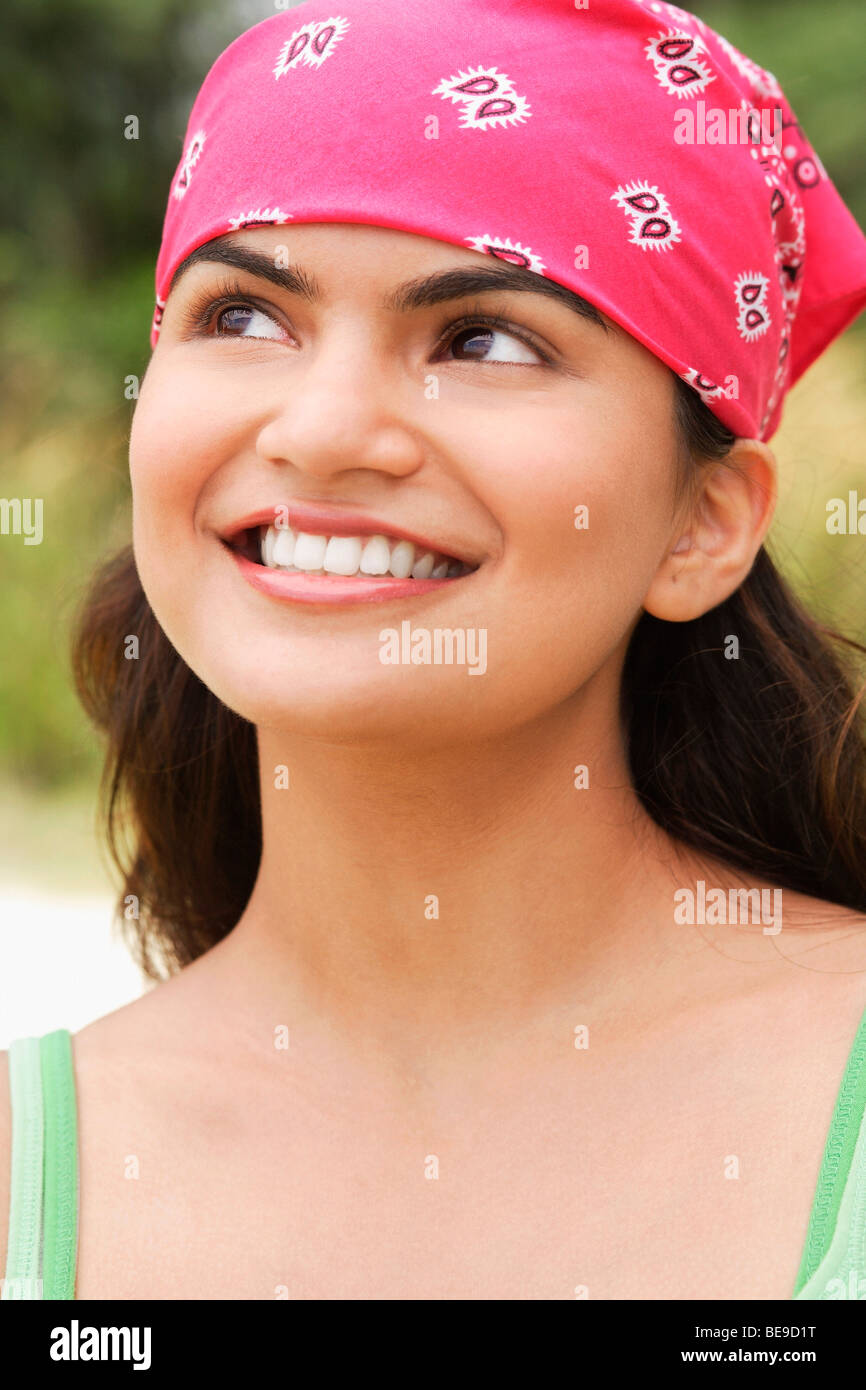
83 209
78 195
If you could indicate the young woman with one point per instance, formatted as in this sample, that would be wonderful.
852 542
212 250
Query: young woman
491 814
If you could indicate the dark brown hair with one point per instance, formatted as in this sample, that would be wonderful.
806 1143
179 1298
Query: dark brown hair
759 762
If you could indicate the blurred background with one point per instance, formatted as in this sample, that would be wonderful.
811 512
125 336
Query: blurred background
83 209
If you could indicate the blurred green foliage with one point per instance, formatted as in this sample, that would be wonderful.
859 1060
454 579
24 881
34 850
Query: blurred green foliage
818 53
83 209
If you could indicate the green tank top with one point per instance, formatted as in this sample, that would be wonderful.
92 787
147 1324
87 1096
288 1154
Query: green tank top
44 1191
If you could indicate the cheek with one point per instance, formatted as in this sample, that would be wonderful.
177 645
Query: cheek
183 427
584 504
183 430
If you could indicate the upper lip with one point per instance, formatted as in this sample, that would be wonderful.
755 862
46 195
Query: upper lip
330 521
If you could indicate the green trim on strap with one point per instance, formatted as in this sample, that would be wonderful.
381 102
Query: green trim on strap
23 1275
836 1164
43 1194
61 1166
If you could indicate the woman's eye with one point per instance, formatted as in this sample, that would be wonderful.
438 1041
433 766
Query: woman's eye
246 321
476 341
479 342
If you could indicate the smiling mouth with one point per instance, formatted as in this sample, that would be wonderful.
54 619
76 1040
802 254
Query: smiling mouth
303 552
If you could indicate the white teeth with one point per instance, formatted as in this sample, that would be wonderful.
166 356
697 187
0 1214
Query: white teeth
282 545
268 547
402 559
343 555
376 556
309 551
304 551
423 567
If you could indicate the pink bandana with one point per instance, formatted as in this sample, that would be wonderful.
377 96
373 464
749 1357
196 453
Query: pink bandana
619 147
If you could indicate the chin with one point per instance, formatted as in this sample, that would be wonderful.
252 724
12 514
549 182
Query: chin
381 704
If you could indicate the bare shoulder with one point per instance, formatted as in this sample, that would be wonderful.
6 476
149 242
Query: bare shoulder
804 985
115 1057
133 1033
823 938
5 1156
790 986
149 1051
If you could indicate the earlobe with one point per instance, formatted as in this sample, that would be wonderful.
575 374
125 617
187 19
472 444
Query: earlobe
711 553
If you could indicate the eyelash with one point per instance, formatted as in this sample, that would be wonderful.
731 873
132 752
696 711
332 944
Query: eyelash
201 312
486 320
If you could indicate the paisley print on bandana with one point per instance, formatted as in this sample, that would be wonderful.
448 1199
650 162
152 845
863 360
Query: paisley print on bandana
487 97
680 62
653 227
261 217
191 157
706 389
753 319
310 45
507 250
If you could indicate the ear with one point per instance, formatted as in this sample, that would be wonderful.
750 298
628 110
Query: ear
712 551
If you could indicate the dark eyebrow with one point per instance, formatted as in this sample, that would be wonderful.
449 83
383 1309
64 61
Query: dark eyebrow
437 288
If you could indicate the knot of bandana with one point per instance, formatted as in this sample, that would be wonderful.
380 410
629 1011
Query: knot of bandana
621 148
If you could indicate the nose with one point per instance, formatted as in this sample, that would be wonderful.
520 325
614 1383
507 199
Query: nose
345 407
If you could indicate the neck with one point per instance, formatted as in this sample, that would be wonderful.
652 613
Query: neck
402 890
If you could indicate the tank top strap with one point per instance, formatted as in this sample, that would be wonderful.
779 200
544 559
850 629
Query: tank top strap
44 1190
833 1264
23 1251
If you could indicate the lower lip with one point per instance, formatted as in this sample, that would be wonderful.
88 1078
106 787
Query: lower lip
331 588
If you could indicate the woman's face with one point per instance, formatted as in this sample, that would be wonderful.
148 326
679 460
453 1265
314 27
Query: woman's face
487 444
